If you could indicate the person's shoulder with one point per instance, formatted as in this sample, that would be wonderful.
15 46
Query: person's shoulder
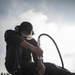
34 42
9 32
33 39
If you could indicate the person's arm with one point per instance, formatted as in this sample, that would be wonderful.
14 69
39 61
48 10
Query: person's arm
36 52
34 49
12 38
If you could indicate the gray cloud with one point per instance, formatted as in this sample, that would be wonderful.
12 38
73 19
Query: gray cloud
57 11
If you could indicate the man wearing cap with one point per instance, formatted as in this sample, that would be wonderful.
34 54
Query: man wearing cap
21 44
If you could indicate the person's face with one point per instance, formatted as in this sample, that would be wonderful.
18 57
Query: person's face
24 32
26 35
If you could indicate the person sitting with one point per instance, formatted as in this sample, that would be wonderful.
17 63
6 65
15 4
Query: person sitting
22 47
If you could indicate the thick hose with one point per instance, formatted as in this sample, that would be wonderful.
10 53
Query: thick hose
54 44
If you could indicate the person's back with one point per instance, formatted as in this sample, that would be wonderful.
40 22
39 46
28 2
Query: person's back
16 55
12 61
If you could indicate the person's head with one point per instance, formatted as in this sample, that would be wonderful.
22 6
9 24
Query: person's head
25 28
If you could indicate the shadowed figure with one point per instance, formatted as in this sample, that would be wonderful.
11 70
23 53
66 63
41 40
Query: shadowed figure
21 47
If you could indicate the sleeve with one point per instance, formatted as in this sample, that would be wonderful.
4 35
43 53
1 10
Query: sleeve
35 59
11 37
38 62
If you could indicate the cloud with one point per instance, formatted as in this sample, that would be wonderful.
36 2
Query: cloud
55 10
63 35
36 18
51 17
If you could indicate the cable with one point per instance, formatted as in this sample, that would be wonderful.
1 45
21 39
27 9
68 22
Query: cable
54 44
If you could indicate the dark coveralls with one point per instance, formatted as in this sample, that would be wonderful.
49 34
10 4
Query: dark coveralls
13 40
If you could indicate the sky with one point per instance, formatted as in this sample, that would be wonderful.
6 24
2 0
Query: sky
53 17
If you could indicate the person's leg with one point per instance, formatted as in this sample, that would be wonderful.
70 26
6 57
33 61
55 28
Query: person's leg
52 69
29 69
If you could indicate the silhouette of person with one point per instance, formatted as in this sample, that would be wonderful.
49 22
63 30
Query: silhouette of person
21 40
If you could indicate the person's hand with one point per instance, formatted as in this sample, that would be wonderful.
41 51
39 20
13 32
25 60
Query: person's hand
38 51
42 70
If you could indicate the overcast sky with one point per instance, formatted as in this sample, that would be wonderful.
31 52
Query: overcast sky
54 17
